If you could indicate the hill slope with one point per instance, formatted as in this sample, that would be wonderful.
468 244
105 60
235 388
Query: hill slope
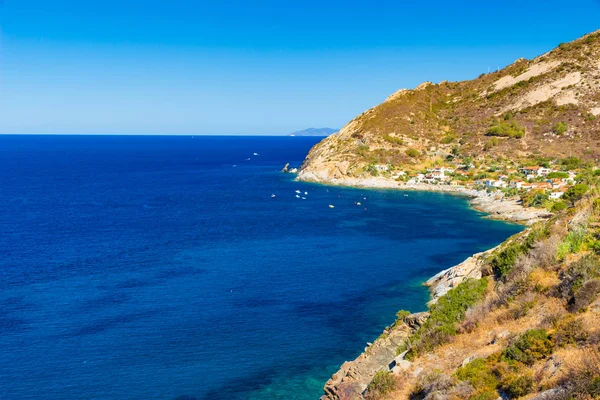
545 107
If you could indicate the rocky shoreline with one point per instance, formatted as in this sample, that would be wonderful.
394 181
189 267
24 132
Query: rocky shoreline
353 377
495 205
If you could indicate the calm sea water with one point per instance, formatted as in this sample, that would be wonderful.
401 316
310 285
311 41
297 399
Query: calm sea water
157 267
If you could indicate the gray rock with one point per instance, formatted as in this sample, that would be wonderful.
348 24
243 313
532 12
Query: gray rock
467 360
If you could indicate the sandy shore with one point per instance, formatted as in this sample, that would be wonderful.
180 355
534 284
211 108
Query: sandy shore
494 204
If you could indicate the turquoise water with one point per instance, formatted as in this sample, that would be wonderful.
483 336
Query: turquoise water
158 267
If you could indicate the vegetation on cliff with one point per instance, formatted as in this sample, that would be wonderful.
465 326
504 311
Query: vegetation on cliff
529 327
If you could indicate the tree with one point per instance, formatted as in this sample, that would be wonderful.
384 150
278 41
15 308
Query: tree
575 192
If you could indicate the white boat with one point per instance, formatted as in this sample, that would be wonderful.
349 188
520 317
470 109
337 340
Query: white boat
297 191
331 206
306 193
358 204
303 198
255 154
272 196
297 196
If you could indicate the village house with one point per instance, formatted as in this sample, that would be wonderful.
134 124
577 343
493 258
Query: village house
535 171
494 183
516 184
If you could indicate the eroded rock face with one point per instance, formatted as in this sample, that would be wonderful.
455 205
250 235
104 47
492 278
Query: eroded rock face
450 278
353 377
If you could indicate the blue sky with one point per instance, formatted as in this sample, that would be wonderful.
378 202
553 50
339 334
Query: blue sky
241 67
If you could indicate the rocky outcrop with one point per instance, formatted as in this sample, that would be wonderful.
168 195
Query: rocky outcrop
353 377
450 278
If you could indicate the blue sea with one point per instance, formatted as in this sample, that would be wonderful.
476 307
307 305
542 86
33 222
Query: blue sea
158 267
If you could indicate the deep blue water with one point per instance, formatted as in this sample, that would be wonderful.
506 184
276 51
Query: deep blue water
152 267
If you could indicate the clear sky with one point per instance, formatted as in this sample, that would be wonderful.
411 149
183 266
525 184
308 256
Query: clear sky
251 67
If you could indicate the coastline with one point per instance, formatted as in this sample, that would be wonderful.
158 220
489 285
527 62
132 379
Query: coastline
353 377
495 205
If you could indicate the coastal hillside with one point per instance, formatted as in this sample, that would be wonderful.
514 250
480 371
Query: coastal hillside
538 110
521 321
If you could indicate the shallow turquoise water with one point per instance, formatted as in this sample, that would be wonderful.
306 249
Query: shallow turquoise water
155 267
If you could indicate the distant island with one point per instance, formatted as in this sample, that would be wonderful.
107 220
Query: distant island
315 132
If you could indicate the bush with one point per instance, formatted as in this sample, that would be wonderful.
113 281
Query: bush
493 142
559 128
479 375
506 129
412 153
518 386
569 331
559 206
447 139
393 139
571 163
505 260
400 315
575 192
531 346
557 175
382 383
579 272
450 309
572 243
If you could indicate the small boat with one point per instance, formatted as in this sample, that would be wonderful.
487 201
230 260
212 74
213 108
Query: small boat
331 206
254 154
358 204
297 191
248 159
306 193
297 196
405 195
272 196
303 198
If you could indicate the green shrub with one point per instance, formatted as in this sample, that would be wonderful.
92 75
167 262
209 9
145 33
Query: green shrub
571 163
572 243
557 175
447 139
479 375
559 128
372 170
506 129
449 309
503 262
518 386
558 206
382 383
393 139
400 315
576 192
412 153
490 144
569 331
531 346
